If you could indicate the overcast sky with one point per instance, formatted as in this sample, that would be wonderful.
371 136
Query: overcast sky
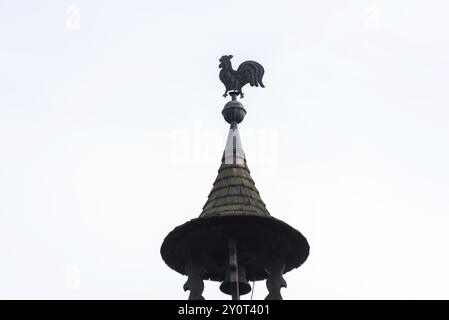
111 135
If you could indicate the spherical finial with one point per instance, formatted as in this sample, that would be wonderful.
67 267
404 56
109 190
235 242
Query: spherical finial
233 111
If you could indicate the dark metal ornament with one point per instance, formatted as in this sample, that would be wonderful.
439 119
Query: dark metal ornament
248 72
233 111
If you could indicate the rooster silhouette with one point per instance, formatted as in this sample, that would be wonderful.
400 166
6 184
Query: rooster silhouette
248 72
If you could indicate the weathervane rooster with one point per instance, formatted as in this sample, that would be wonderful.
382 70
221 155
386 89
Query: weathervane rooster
248 72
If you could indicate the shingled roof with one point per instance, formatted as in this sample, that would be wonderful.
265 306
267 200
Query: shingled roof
234 191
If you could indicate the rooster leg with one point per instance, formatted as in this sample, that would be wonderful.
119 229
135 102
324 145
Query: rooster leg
226 93
241 94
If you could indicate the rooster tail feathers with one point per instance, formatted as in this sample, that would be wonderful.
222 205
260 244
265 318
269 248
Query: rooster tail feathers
253 73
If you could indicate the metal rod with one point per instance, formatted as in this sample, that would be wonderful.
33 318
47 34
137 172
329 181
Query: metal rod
234 270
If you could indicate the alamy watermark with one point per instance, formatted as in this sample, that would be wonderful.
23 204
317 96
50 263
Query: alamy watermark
73 278
372 18
73 18
198 146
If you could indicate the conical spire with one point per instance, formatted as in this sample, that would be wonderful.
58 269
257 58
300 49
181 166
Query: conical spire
234 191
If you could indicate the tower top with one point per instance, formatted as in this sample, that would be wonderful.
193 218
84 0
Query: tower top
235 239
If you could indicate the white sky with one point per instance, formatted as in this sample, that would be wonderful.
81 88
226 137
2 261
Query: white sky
111 135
